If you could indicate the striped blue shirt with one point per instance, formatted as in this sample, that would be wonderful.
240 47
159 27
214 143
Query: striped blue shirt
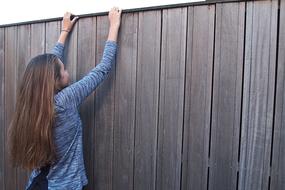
69 172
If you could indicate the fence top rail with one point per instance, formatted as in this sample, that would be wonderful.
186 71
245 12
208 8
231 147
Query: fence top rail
159 7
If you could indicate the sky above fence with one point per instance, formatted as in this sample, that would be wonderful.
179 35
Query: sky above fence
14 11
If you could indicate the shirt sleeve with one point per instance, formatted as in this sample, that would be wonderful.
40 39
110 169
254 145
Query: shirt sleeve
74 94
58 50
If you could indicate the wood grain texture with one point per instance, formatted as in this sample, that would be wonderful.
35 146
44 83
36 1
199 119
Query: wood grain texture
37 39
70 53
227 95
194 100
171 98
104 115
278 155
125 93
2 108
23 54
11 63
51 35
86 62
258 94
147 94
198 86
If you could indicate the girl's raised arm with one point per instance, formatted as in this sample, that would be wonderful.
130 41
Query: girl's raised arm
67 26
74 94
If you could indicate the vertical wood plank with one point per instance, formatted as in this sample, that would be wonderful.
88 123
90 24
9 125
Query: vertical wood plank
37 46
147 93
258 96
227 94
10 98
86 61
171 98
278 158
199 69
70 53
52 34
124 121
139 108
37 39
2 108
104 115
23 54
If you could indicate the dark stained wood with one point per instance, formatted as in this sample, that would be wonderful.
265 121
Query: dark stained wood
2 108
278 156
70 53
86 62
125 93
11 60
199 69
194 100
23 54
227 94
104 115
147 94
171 98
32 44
258 94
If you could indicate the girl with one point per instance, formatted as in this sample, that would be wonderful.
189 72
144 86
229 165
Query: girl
45 134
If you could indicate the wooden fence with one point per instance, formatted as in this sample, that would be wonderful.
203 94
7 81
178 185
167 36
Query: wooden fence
195 99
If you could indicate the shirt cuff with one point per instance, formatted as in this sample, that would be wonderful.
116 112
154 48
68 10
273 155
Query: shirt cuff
60 44
111 42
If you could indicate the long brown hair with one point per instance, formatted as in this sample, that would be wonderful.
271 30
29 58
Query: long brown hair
30 135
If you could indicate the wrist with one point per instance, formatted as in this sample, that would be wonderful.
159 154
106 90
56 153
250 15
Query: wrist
62 37
113 35
114 27
65 31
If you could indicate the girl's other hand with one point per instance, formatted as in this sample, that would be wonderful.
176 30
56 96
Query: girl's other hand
67 24
115 17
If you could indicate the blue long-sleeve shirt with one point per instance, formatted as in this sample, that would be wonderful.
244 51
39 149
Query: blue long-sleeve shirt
69 172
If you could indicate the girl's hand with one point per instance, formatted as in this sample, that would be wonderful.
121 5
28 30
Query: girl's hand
115 17
67 24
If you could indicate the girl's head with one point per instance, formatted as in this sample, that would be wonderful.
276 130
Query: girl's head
30 134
